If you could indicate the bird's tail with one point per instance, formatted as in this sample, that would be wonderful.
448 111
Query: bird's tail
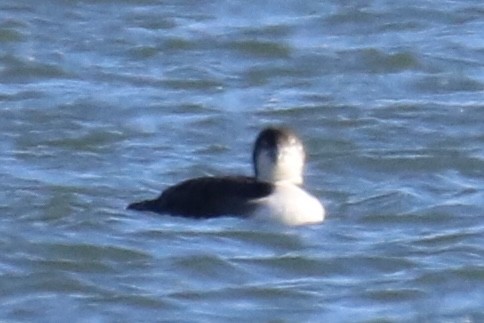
148 205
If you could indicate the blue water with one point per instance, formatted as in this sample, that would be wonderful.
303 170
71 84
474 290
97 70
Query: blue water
106 102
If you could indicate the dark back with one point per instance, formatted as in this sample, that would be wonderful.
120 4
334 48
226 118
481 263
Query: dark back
207 197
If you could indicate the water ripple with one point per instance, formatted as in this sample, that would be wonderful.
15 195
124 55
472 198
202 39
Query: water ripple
105 103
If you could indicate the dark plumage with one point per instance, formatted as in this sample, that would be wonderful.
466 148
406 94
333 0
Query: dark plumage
207 197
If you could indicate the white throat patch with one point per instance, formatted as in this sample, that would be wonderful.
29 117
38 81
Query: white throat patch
286 165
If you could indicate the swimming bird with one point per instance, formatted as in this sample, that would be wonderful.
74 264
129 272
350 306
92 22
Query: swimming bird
275 191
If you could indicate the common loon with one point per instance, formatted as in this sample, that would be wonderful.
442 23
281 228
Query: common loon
275 190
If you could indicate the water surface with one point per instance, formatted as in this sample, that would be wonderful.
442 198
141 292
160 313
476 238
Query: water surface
106 102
